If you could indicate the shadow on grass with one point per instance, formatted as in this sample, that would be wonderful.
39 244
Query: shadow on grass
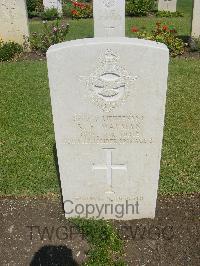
56 162
184 38
57 171
52 256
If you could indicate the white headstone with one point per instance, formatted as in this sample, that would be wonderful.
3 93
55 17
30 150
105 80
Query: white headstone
109 18
196 19
108 99
53 4
13 20
167 5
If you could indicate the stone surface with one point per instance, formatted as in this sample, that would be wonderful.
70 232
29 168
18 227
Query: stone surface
53 4
109 18
196 19
13 20
108 99
167 5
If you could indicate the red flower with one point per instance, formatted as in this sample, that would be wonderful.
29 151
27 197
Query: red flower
78 4
74 12
165 28
134 29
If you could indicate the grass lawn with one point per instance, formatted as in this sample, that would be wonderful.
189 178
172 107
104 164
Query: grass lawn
27 138
83 28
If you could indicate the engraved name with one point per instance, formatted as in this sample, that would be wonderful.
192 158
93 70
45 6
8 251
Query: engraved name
109 129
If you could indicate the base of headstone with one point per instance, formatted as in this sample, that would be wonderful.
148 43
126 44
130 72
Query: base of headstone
13 21
48 4
167 5
196 20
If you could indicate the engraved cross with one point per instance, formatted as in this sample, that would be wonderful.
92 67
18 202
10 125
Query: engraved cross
109 167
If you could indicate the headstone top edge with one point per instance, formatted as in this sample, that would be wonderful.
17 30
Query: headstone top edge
110 40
